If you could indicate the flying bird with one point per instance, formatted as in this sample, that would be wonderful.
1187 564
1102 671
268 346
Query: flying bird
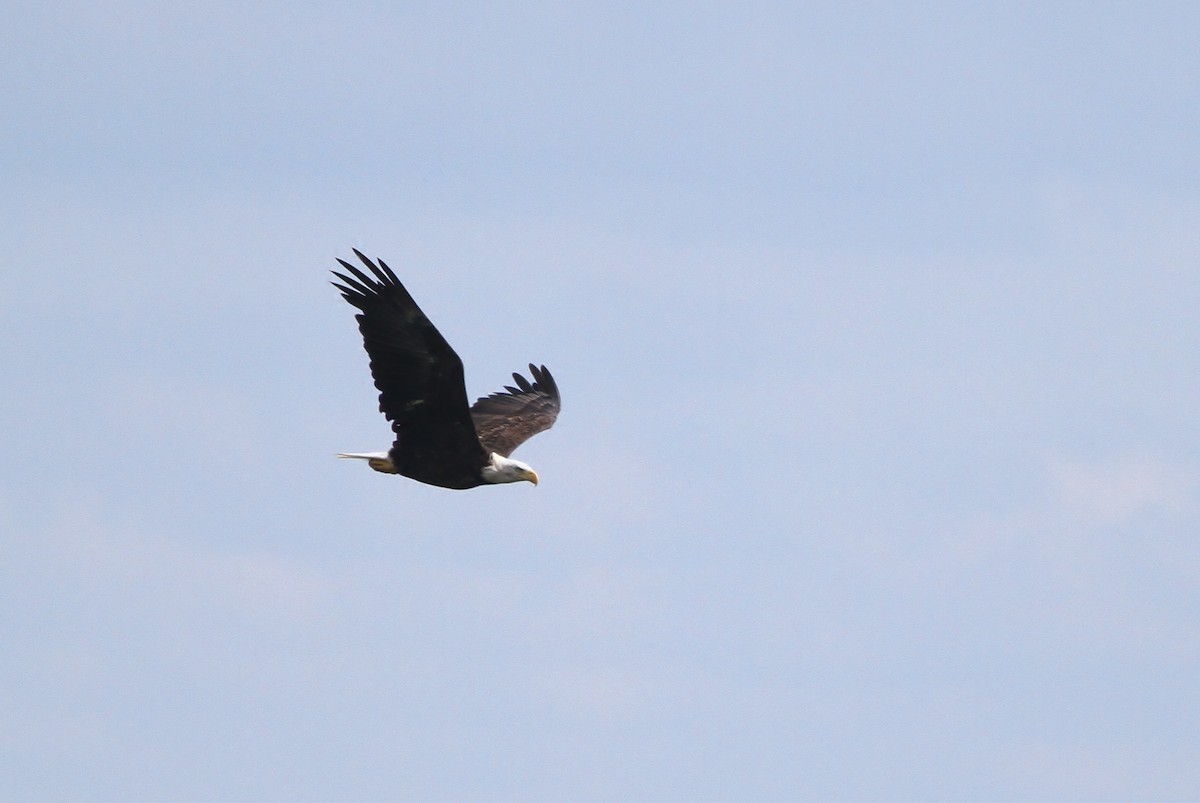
439 439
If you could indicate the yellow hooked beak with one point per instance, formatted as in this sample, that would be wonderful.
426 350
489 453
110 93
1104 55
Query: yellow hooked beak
532 477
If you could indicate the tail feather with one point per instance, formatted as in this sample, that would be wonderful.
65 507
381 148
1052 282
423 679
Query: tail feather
376 460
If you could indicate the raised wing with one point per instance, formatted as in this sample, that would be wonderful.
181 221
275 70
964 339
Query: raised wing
507 419
419 376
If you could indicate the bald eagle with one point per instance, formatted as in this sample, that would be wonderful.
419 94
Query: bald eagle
439 439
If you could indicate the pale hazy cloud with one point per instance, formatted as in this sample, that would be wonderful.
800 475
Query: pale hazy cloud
1114 490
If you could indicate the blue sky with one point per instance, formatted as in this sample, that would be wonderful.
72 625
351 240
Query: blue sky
877 476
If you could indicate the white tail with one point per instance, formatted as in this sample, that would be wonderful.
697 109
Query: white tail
376 460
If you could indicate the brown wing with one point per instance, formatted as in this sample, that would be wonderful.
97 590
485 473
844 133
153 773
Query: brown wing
507 419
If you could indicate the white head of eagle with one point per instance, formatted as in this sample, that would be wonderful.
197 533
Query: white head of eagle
502 469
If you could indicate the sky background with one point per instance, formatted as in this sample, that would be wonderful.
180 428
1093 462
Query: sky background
878 471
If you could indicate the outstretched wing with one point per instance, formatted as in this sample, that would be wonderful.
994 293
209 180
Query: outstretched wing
506 420
419 376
